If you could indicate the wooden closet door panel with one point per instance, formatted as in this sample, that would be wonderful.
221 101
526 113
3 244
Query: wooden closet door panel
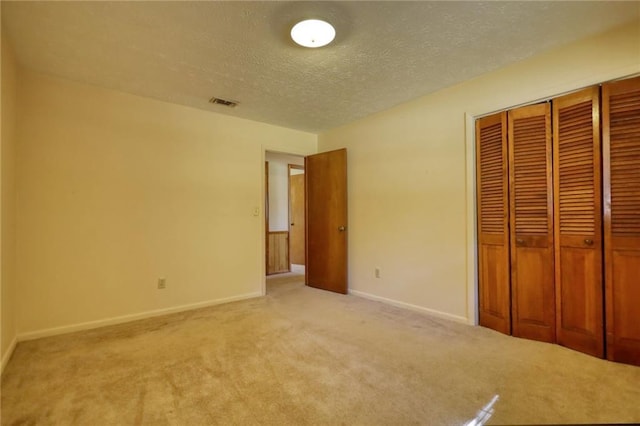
494 288
580 302
578 222
531 217
493 226
621 173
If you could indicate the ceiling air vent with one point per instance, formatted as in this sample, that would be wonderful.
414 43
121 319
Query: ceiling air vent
223 102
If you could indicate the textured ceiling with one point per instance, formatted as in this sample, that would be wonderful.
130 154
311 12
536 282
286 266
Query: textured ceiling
385 53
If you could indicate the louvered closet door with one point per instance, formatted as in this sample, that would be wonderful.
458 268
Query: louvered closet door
493 231
578 222
531 216
621 155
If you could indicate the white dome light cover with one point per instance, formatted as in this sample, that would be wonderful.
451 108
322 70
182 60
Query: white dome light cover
313 33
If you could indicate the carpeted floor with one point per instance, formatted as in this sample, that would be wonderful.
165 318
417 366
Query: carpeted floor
302 356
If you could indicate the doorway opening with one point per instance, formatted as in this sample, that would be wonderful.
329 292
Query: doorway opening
297 254
325 217
284 213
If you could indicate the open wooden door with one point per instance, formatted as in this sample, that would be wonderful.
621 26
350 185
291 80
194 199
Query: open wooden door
296 215
621 155
326 220
531 197
578 221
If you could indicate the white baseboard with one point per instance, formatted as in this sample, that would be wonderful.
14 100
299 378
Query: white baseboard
6 356
128 318
410 307
299 269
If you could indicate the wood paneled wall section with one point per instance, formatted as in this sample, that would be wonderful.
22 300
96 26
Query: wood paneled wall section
278 252
578 221
493 223
621 170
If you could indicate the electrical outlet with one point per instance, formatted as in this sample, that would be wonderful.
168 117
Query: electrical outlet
377 272
162 283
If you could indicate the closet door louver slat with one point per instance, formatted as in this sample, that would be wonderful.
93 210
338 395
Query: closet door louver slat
531 215
621 172
578 222
493 231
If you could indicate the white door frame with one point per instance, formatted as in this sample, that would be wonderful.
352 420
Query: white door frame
471 219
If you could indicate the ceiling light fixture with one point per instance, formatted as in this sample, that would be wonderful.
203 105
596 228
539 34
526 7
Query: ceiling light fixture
313 33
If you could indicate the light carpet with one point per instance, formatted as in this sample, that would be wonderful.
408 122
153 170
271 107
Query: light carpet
301 356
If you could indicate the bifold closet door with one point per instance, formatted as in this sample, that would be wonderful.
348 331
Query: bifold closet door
531 217
578 222
621 157
493 222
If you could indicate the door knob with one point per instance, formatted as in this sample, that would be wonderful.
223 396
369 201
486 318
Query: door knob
588 241
341 228
292 224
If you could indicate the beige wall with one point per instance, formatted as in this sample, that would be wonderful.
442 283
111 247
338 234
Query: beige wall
409 203
116 191
7 200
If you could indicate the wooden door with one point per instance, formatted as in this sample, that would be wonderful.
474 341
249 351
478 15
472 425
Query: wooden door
621 157
326 220
296 216
578 222
531 219
493 223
